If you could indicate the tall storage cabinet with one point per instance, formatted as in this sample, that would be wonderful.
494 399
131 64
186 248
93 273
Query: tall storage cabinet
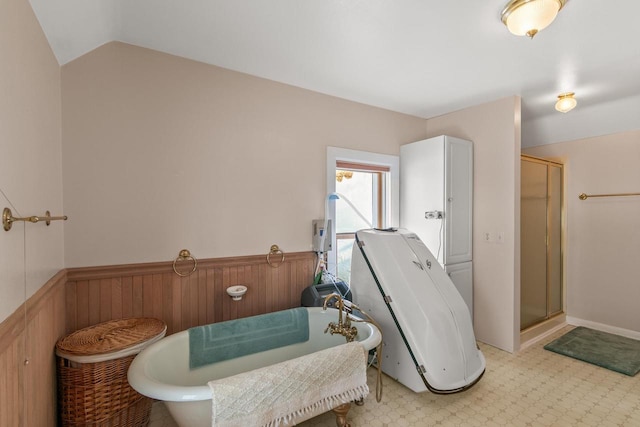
436 202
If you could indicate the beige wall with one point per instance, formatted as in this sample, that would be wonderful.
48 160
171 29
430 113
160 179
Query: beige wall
30 154
163 153
603 234
494 129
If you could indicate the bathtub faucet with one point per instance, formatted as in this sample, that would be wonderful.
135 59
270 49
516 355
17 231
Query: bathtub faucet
343 328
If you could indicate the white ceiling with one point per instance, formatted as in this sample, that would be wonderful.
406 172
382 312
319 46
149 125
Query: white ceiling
421 57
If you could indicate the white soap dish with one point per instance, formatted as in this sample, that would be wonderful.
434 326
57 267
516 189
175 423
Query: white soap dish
236 292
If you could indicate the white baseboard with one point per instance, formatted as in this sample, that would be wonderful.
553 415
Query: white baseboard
604 328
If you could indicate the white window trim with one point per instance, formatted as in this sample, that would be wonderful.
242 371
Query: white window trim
335 154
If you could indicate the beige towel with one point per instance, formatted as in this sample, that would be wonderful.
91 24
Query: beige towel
278 394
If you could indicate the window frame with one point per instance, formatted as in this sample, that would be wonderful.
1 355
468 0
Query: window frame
391 187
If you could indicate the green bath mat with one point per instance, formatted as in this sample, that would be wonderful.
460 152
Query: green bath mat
609 351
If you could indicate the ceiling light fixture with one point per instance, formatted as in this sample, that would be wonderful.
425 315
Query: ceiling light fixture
566 102
527 17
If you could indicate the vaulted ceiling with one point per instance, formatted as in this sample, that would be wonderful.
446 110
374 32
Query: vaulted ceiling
421 57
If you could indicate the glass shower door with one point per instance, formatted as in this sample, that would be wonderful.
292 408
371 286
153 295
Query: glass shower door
541 239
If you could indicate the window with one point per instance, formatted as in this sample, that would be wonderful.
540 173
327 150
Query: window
369 182
363 185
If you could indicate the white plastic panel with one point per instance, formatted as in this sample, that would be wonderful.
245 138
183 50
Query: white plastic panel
422 189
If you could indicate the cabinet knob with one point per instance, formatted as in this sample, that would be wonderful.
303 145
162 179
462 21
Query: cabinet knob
450 199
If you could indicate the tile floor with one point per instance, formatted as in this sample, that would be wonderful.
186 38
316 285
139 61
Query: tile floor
532 388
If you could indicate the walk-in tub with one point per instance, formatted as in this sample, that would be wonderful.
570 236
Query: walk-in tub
429 342
161 371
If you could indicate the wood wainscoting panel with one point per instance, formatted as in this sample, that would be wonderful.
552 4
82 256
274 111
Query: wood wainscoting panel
99 294
80 297
28 391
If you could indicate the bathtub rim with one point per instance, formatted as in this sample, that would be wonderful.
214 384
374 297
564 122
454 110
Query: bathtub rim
150 387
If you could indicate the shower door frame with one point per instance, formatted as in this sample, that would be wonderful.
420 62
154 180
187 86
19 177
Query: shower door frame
561 311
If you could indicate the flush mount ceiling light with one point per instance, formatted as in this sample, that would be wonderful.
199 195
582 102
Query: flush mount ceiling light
527 17
566 102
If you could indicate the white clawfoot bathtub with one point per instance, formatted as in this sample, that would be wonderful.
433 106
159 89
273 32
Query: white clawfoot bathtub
161 371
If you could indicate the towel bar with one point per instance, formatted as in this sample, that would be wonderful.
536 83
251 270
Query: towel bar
8 219
584 196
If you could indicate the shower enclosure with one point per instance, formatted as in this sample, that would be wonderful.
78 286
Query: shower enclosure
541 229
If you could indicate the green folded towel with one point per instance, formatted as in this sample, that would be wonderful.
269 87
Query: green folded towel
234 338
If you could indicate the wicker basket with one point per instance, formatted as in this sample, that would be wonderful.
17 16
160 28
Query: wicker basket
92 373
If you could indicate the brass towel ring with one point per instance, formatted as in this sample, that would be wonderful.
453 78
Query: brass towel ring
185 255
275 250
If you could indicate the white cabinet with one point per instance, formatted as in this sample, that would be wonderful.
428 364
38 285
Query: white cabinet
436 175
436 202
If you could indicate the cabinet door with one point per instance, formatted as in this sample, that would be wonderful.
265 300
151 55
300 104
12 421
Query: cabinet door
462 277
458 200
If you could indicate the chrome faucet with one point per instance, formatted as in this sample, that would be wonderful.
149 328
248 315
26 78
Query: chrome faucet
343 328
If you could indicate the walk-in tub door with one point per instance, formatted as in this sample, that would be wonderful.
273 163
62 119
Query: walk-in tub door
426 324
